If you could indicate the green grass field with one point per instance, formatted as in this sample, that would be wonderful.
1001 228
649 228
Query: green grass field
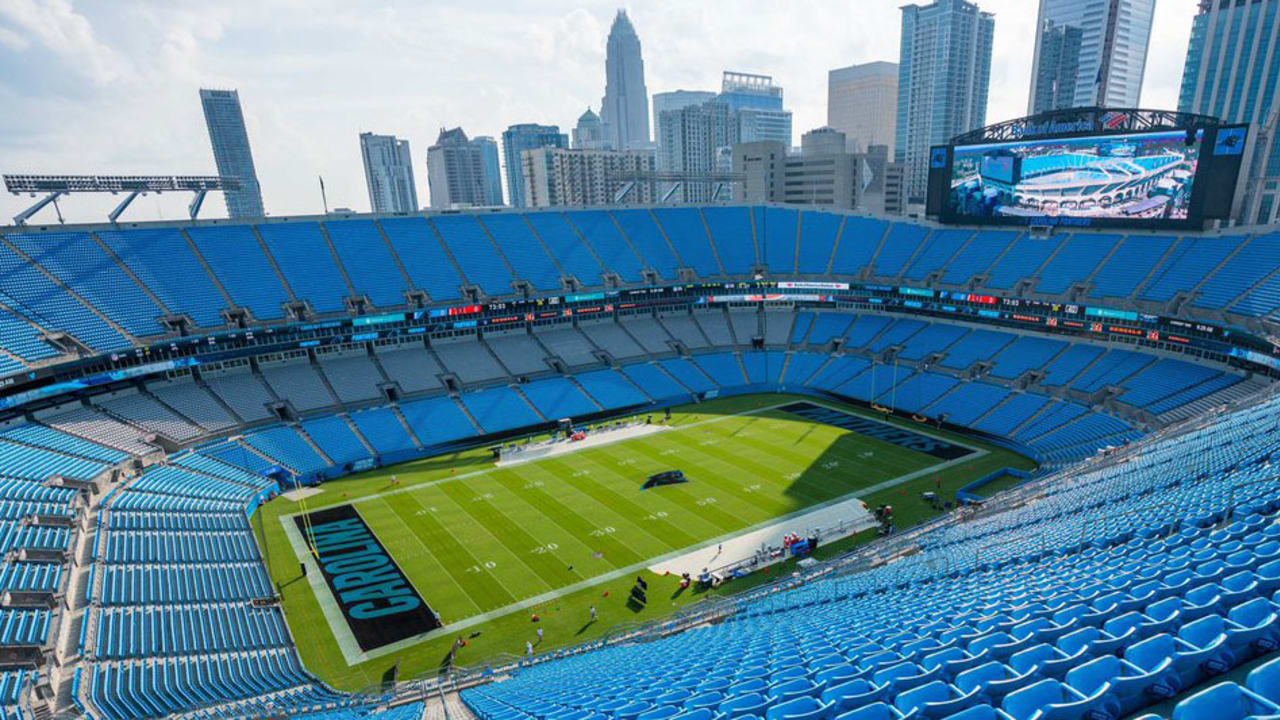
475 539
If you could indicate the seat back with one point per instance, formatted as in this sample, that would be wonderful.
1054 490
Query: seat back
1024 703
1093 675
1203 632
975 678
1265 680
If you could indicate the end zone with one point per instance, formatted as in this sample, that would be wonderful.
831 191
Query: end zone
366 586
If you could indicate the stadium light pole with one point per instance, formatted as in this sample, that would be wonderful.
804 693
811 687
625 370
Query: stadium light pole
132 185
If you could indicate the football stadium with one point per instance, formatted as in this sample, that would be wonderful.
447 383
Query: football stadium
706 426
693 461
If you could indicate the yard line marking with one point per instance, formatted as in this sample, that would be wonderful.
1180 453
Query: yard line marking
564 535
520 526
662 542
570 534
443 570
499 544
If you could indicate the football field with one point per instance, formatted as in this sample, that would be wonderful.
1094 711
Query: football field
480 543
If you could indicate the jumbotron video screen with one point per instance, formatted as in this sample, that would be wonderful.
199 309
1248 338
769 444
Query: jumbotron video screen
1098 178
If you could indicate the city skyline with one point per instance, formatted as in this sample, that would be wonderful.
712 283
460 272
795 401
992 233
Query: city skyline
302 119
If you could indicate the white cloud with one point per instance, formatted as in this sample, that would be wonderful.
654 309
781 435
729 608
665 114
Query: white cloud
57 27
312 74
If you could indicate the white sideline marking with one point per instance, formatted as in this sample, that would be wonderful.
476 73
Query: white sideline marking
592 440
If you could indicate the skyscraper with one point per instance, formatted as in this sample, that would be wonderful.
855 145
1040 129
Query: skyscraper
492 169
519 138
674 100
625 107
555 177
1233 62
944 70
824 172
1090 52
588 134
388 171
757 104
231 152
697 139
862 103
463 172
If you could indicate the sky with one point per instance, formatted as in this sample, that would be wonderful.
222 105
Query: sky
111 86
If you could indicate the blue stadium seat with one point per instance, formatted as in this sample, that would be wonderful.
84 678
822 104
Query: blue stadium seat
685 229
630 253
1077 259
899 246
1251 263
569 248
437 420
1186 265
237 259
940 248
557 398
975 258
1225 701
778 234
733 234
855 246
1130 265
418 246
523 249
302 253
475 253
164 262
369 263
74 258
383 429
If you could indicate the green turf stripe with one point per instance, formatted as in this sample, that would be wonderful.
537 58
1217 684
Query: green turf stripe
549 570
665 531
482 541
436 539
620 553
556 546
